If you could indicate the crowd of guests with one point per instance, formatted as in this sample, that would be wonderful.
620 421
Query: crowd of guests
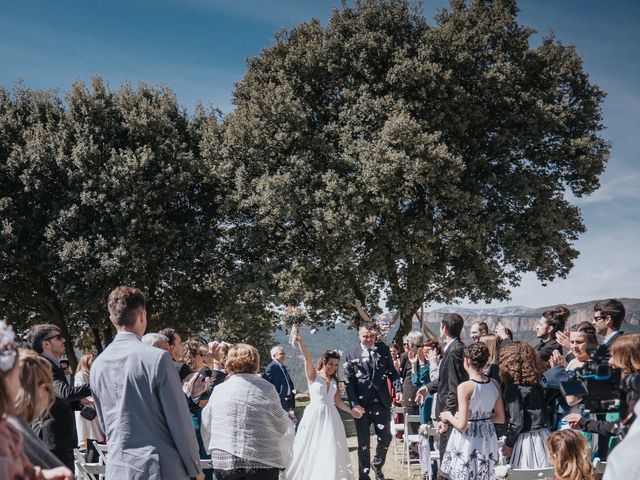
451 384
162 404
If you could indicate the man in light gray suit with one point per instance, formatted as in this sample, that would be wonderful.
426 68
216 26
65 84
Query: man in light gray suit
139 399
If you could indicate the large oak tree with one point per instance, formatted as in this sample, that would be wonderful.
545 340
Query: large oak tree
105 188
381 158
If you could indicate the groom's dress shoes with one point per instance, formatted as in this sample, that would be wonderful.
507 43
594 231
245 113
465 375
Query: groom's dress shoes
378 472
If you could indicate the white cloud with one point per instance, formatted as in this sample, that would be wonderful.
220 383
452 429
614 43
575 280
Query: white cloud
622 187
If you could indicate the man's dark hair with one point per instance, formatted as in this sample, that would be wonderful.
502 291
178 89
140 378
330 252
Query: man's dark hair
39 333
483 327
453 323
611 307
123 305
170 333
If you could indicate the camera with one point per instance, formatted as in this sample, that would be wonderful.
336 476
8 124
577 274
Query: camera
598 384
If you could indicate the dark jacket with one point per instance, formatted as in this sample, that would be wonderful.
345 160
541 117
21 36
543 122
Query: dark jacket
283 383
366 381
545 349
452 374
408 388
525 406
59 425
613 339
35 450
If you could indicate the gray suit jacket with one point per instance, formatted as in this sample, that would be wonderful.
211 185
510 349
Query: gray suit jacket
139 399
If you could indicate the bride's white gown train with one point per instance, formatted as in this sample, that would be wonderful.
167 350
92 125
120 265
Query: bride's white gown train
320 448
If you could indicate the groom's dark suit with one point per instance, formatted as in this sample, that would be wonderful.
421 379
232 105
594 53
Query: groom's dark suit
366 383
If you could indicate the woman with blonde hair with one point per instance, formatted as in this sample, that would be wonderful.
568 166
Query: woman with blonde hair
15 464
89 431
32 402
570 456
492 369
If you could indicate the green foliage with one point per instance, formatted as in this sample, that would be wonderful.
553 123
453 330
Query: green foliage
102 189
377 157
380 157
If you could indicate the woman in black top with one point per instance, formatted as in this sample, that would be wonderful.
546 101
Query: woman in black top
521 370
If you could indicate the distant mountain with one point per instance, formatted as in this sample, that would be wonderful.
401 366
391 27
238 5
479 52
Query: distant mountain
521 320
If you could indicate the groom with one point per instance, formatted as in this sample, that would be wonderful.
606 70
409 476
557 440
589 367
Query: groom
366 382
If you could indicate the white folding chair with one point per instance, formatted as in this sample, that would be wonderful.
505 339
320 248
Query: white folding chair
599 465
533 474
102 454
205 464
396 427
410 439
87 471
434 453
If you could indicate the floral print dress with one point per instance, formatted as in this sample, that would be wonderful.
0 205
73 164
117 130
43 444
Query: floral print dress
473 454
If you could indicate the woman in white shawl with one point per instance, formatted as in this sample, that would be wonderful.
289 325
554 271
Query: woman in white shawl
244 427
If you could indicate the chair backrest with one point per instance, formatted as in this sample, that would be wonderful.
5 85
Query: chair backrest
535 474
599 465
394 414
102 451
86 470
411 419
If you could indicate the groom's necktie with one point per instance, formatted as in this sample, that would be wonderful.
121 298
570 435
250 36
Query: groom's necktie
372 361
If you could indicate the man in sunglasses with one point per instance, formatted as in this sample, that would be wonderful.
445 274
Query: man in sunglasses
58 427
608 316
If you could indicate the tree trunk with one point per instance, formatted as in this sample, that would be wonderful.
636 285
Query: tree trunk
107 335
97 340
406 324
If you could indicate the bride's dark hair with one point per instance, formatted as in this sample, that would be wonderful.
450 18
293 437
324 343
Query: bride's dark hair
324 359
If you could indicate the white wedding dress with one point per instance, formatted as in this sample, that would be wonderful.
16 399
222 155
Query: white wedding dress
320 448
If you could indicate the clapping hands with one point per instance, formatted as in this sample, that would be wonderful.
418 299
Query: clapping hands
421 394
557 360
501 331
563 339
432 357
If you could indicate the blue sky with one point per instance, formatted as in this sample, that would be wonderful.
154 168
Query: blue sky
199 47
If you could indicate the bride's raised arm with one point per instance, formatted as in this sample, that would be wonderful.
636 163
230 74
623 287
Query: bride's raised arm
309 369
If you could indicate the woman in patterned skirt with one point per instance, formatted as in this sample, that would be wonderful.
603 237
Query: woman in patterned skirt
472 450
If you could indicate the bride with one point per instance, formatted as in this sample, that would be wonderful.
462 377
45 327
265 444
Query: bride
320 448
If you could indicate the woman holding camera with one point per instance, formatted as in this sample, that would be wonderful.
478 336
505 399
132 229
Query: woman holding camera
625 355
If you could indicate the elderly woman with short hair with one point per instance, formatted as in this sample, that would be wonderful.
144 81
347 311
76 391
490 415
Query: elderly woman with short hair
243 424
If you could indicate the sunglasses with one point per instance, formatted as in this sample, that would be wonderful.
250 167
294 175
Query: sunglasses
59 335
